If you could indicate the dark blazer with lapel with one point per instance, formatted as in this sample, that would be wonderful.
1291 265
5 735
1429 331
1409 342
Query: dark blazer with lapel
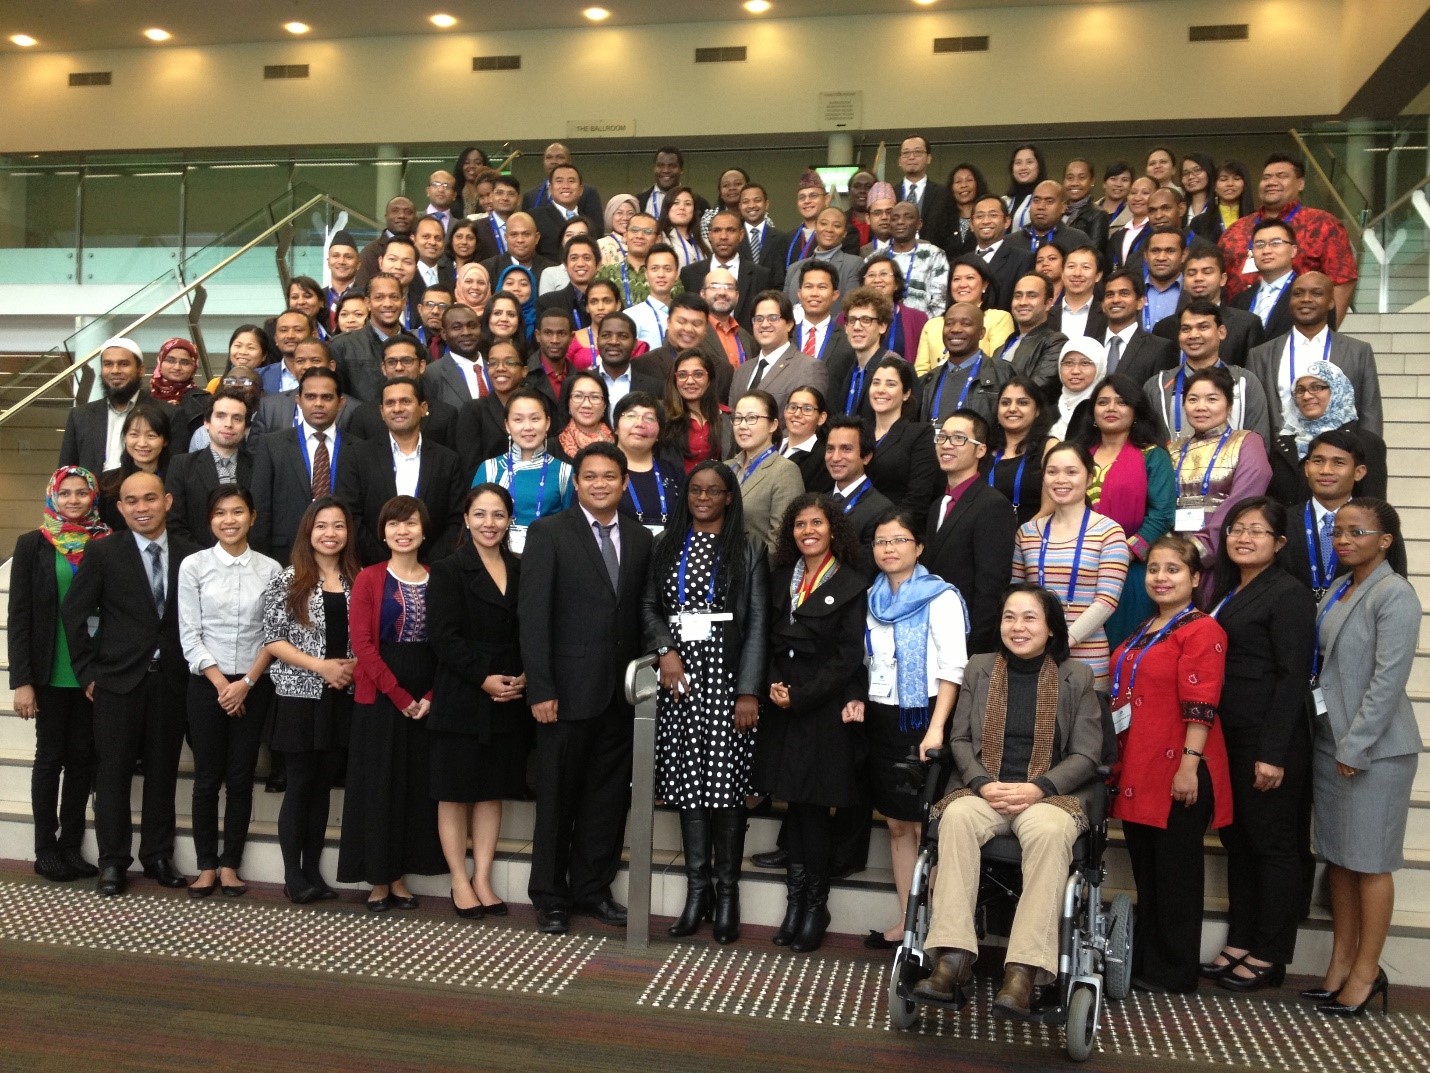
114 580
1243 332
282 489
753 279
1065 237
973 551
1006 266
86 429
935 208
440 424
190 480
588 205
773 245
34 611
1288 476
841 379
905 468
496 265
1295 559
276 412
837 355
1279 322
444 382
472 627
577 631
701 205
1144 356
359 360
864 517
567 298
550 221
481 433
1096 319
811 467
366 481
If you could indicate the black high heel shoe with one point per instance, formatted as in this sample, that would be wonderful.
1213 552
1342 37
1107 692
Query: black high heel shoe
1340 1009
1319 994
1262 976
475 912
1210 970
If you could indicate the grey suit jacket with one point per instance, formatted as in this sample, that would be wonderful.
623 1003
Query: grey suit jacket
276 412
847 265
792 370
766 494
1368 652
443 380
1354 357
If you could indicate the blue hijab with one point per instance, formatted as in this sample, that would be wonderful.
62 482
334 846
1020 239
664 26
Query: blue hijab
907 611
528 308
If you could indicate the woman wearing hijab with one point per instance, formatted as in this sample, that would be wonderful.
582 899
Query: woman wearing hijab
474 287
1323 399
174 384
619 211
519 281
46 689
1081 364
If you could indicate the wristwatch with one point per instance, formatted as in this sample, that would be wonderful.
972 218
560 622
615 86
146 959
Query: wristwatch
249 682
662 650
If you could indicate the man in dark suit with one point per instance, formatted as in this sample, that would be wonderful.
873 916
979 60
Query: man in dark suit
1204 276
1006 263
848 450
1080 211
761 241
1078 312
1045 222
295 465
615 342
434 267
925 193
521 238
583 572
582 259
491 225
552 216
458 376
1131 351
1273 248
399 217
867 315
134 670
1035 347
358 355
688 328
556 154
402 357
726 236
970 529
192 477
92 432
401 461
668 168
289 329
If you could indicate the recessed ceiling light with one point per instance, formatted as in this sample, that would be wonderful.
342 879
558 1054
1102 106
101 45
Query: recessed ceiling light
296 27
156 34
445 22
757 7
596 14
924 3
23 40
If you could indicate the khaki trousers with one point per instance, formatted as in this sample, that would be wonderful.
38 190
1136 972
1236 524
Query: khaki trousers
1047 834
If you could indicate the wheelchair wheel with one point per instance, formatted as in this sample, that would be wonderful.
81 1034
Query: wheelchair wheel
1117 975
903 1011
1081 1025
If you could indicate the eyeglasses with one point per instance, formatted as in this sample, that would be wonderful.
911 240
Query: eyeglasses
749 419
438 184
722 288
697 492
691 374
861 321
581 397
235 381
1271 243
808 409
894 542
958 439
1355 534
400 361
1256 531
1302 390
434 305
766 318
640 230
503 363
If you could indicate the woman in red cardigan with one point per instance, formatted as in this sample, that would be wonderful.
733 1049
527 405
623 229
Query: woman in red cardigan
1173 776
389 817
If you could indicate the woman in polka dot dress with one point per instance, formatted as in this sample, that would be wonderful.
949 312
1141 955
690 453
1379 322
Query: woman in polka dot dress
705 614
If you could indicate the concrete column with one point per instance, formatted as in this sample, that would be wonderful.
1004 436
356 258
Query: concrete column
1360 165
389 178
841 149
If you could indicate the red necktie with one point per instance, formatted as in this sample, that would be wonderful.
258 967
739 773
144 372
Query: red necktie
808 346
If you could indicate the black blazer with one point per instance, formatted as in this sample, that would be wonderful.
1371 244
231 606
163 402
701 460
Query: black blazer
811 466
1036 357
1243 332
472 627
936 208
358 356
34 611
905 468
1093 222
1065 237
747 645
366 481
191 478
550 221
1270 630
113 579
1279 323
282 489
841 378
772 252
864 517
578 633
1288 478
567 298
1296 560
440 424
1006 266
86 429
1096 319
973 551
753 279
589 205
1144 356
817 650
837 354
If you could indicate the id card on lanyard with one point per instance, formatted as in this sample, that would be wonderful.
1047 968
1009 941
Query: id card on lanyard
1122 704
1318 696
1191 519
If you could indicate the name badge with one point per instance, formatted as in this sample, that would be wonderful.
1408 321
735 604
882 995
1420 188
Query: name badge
516 539
1122 719
883 680
694 626
1249 268
656 530
1190 519
1318 698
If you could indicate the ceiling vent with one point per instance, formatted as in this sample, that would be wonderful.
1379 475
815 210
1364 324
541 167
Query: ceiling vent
285 70
732 54
91 78
960 44
496 63
1229 31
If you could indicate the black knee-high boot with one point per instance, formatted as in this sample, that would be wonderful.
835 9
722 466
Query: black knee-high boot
729 839
695 836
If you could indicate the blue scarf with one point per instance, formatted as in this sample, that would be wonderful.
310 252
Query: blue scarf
907 610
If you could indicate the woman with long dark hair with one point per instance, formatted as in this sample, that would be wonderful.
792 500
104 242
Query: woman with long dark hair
697 429
705 613
904 467
679 228
146 434
1026 170
249 346
462 245
805 415
1017 442
1198 175
1234 197
471 163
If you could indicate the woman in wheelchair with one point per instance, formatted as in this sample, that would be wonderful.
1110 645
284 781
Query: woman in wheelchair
1026 741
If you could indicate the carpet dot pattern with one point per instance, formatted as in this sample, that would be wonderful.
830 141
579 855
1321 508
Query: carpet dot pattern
417 947
1208 1027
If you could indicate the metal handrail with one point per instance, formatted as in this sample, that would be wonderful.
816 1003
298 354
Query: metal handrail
80 363
1397 204
1347 216
641 692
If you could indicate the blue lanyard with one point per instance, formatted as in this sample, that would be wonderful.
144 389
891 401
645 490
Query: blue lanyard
1136 663
799 334
1181 389
540 488
680 573
1316 652
1036 240
1077 552
1291 350
332 455
1147 305
1259 217
576 309
740 347
750 469
1011 344
856 389
853 501
804 251
687 249
498 233
893 338
1207 476
913 256
1216 611
1313 552
626 282
659 490
658 325
542 194
1017 477
967 384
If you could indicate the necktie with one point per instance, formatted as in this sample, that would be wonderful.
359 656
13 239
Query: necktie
1326 550
760 367
949 494
755 243
808 343
1114 353
985 252
156 576
322 467
479 374
608 552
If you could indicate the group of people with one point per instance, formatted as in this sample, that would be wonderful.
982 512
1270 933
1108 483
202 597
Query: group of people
1034 476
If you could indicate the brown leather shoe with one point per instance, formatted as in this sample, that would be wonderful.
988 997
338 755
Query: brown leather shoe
952 970
1014 996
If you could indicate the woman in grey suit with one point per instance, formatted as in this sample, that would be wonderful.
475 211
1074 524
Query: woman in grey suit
769 482
1366 746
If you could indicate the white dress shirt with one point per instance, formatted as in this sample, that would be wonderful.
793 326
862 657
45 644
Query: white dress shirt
1075 320
947 652
1300 352
221 608
803 445
617 387
405 467
471 370
114 433
820 330
650 317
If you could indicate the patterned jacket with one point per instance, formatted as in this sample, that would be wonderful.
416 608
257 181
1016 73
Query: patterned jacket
279 625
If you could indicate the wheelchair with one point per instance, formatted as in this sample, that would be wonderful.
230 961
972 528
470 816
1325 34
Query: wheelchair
1095 939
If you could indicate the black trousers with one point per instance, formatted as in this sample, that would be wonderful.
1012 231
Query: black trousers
225 754
146 722
1265 876
1168 868
583 791
810 831
852 830
64 749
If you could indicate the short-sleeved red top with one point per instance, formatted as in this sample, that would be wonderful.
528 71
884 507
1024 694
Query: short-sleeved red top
1322 245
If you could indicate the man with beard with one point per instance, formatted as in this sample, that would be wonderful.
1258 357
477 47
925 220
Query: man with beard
751 278
726 340
458 376
92 432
